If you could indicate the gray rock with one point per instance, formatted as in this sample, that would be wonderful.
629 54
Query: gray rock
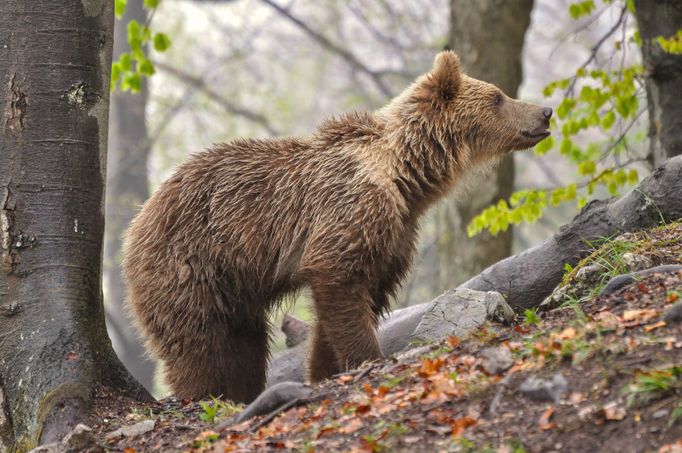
76 441
269 400
133 430
583 282
620 281
540 389
459 312
395 331
673 315
296 330
52 447
496 360
661 413
81 438
636 262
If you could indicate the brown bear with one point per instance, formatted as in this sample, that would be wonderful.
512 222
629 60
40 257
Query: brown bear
243 224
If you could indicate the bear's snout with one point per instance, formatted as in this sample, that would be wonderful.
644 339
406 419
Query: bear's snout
547 112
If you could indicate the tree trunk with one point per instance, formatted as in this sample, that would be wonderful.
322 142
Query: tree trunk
54 85
663 74
127 189
488 36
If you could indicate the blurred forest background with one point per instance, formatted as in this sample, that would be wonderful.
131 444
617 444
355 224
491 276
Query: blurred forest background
262 68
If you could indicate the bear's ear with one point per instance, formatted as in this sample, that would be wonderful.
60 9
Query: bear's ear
446 76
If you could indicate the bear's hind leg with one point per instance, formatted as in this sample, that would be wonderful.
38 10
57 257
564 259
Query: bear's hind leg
224 358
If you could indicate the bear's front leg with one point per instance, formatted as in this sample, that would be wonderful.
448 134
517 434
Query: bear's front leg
346 326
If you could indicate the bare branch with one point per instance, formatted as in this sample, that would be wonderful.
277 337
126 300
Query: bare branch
596 47
217 97
323 41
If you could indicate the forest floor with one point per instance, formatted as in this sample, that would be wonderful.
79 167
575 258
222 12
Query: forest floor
599 373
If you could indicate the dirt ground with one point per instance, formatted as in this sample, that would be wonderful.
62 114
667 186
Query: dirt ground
607 373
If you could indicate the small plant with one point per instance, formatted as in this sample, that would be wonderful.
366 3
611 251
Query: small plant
575 304
531 317
216 409
205 439
393 381
647 385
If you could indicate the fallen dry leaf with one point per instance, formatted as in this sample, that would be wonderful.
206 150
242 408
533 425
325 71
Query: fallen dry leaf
460 424
654 326
577 398
354 425
453 341
544 422
607 320
613 411
641 315
567 334
430 367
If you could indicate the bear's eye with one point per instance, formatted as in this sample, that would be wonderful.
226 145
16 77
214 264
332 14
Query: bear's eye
497 100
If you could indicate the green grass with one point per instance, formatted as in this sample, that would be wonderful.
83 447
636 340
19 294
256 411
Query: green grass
653 383
531 317
216 409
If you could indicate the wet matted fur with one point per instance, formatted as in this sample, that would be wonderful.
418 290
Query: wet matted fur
241 225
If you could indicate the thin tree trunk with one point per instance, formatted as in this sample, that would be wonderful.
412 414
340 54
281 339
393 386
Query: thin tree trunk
54 87
488 36
663 73
127 189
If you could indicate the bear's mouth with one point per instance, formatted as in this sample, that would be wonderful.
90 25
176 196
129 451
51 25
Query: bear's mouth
539 135
532 138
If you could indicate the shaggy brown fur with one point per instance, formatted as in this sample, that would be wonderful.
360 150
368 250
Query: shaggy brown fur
239 226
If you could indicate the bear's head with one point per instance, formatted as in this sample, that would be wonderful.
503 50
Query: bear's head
472 119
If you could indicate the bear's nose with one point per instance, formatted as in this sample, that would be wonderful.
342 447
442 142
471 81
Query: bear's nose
547 112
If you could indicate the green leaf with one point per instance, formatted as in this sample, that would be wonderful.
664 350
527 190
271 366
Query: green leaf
587 168
631 6
132 81
608 120
593 118
565 107
115 72
125 62
633 177
613 188
120 8
134 38
151 4
146 67
574 10
566 146
621 177
161 42
544 146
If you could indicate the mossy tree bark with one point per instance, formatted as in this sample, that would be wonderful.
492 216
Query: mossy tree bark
127 189
488 36
663 73
54 87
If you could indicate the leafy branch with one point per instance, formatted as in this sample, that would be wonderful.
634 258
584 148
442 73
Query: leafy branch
606 99
131 66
